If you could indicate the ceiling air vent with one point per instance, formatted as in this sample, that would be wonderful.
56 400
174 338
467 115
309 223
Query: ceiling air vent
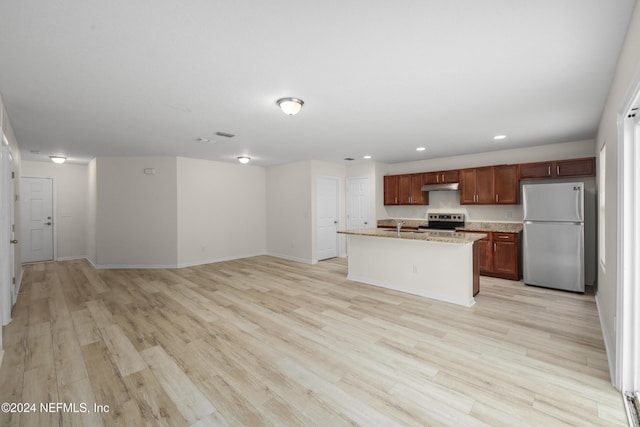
225 134
349 159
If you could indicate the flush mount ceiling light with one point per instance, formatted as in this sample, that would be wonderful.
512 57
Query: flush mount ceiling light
366 157
498 137
58 159
420 149
290 106
244 160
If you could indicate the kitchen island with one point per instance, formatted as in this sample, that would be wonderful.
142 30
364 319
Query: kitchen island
433 264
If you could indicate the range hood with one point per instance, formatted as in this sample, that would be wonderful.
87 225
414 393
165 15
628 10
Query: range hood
440 187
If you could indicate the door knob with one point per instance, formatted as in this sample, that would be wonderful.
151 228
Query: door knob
47 223
14 241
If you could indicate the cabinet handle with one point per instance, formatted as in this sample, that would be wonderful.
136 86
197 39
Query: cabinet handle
496 197
494 247
437 178
442 177
549 172
503 237
557 170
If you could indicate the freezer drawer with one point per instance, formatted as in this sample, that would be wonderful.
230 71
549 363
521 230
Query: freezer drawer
553 255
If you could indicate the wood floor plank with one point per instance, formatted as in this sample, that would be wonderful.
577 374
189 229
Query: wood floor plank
124 354
189 400
271 342
155 406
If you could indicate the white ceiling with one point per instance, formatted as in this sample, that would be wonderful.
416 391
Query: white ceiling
90 78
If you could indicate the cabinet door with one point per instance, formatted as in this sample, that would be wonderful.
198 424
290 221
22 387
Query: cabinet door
575 167
485 254
417 196
507 185
484 185
505 255
449 177
404 189
467 186
391 190
536 170
431 177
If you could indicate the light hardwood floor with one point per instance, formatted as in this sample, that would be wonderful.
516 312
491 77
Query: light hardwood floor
265 341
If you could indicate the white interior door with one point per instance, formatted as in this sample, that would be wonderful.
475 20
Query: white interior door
358 203
36 212
327 192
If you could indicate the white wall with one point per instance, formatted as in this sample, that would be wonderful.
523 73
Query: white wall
70 191
289 224
136 220
221 211
627 72
92 200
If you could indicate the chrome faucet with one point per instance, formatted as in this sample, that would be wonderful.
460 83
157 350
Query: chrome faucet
399 225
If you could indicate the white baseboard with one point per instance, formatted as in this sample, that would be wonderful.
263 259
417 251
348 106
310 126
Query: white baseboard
290 258
215 260
608 344
70 258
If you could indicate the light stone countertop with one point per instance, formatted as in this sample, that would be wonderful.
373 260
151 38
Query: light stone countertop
428 236
504 227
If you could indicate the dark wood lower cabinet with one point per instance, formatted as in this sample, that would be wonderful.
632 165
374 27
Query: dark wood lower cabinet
499 255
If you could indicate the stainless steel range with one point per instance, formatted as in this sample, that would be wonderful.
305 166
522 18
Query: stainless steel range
444 222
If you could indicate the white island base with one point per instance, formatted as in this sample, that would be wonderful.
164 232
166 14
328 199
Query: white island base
440 270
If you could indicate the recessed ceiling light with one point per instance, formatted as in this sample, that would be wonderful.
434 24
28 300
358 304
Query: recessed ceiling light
366 157
420 149
244 159
497 137
205 140
34 151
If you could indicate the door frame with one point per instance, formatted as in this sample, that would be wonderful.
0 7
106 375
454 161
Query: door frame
8 290
337 181
54 237
626 369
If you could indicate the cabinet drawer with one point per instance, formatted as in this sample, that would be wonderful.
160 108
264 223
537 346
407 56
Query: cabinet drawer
504 237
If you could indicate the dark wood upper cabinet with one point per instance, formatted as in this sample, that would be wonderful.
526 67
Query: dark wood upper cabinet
559 169
476 186
405 190
418 197
391 190
442 177
507 185
576 167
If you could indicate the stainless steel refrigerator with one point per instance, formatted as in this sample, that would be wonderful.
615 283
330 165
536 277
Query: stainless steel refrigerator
553 241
